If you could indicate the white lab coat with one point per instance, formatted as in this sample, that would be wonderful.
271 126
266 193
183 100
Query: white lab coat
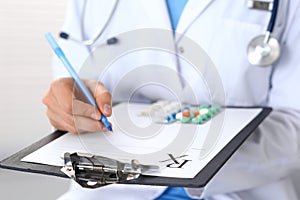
259 169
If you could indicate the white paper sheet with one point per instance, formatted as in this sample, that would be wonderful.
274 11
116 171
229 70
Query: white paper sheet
136 137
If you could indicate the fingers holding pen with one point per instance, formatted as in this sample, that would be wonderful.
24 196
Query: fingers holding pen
64 98
103 100
79 118
63 122
83 109
102 96
61 95
67 113
74 123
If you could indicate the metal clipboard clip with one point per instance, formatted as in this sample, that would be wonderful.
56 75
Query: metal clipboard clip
91 171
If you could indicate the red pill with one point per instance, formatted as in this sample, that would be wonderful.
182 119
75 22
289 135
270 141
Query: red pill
186 113
196 113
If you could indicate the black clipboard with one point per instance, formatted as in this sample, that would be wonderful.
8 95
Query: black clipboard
200 180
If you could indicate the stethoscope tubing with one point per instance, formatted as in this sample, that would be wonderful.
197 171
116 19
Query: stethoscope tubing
91 42
273 16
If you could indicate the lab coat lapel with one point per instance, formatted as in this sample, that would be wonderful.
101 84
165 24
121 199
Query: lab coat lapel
157 13
192 10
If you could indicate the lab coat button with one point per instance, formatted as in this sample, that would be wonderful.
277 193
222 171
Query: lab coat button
181 49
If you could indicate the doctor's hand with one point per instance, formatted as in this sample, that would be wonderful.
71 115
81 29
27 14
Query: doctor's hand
67 110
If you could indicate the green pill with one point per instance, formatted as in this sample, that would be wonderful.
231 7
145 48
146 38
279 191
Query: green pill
218 108
185 120
213 110
197 120
209 114
203 117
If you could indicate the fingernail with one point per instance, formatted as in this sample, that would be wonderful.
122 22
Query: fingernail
95 116
105 129
107 109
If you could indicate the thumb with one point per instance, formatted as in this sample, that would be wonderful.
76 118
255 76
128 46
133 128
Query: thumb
102 96
104 102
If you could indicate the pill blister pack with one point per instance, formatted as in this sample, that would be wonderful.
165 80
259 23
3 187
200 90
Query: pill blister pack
170 112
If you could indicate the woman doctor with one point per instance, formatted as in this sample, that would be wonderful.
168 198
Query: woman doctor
259 169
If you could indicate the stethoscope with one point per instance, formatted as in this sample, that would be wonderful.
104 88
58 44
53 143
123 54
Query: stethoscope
91 42
263 50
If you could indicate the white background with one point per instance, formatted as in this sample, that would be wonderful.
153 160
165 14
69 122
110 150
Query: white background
25 74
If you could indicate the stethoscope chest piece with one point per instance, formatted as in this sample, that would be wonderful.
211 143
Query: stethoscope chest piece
262 52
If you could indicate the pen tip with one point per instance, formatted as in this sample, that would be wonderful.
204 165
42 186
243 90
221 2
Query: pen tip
110 129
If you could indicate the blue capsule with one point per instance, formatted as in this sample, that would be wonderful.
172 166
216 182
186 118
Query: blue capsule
168 118
174 115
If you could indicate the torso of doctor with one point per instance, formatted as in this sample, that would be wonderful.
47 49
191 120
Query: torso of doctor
223 29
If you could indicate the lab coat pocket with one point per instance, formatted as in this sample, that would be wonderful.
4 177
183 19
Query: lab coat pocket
244 84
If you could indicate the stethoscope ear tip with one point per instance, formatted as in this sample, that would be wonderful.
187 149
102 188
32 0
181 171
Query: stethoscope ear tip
64 35
112 40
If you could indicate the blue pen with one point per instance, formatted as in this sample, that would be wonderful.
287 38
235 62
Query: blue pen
89 97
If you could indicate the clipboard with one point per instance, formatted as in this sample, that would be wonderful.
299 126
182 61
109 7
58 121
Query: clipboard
200 180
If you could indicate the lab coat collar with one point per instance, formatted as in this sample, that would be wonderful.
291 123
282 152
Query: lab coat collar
192 10
157 12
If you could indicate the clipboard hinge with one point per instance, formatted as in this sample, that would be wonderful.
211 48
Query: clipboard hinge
91 171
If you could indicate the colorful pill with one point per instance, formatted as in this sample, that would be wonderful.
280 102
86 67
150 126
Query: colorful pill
203 117
179 116
203 111
209 114
197 120
186 108
218 108
196 113
185 119
174 115
192 114
186 113
168 119
213 110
